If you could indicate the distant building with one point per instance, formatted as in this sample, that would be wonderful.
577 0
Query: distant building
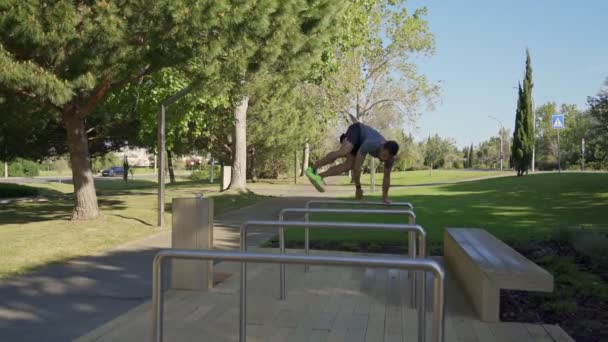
140 157
137 156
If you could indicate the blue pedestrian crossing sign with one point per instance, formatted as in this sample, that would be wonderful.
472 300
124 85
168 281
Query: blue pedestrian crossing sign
557 121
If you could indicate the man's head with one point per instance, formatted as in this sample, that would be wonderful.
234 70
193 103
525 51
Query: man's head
389 150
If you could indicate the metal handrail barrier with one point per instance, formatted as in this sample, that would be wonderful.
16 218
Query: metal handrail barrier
417 291
411 236
408 205
425 265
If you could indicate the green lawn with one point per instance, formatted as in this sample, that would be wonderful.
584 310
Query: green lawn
423 177
511 208
34 234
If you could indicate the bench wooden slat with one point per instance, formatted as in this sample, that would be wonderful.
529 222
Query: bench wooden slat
488 247
501 263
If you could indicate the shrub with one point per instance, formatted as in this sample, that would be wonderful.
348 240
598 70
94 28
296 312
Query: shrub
200 176
417 168
23 168
105 161
588 240
8 190
60 165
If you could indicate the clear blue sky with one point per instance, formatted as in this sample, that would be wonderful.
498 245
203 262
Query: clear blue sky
480 57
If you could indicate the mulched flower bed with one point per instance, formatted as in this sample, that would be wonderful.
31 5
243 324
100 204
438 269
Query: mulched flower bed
582 315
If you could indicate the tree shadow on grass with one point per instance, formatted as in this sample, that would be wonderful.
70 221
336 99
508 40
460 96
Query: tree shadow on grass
11 191
54 209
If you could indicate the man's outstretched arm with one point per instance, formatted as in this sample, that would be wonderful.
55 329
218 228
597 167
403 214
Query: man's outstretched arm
386 181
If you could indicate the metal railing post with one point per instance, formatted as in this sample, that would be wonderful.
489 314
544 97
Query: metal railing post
243 291
157 300
411 238
282 266
438 307
422 295
306 236
425 265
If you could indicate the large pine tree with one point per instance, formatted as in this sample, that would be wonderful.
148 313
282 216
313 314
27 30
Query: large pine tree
60 59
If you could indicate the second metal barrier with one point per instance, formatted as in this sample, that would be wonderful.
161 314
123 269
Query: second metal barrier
412 238
417 284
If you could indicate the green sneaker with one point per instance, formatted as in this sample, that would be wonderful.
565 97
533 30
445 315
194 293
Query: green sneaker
315 179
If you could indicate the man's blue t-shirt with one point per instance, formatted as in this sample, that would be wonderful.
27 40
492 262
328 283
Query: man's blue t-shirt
371 141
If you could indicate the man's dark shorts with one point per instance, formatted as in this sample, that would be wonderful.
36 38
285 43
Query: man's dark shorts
353 135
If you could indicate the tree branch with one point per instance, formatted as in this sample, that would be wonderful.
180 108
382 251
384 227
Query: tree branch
98 95
377 103
143 72
227 148
23 93
385 60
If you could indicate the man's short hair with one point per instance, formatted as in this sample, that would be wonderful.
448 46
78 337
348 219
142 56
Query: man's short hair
392 147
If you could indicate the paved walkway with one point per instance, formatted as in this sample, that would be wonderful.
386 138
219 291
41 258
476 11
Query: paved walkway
64 301
328 304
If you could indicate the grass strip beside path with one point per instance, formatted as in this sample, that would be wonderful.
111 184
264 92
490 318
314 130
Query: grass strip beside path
35 234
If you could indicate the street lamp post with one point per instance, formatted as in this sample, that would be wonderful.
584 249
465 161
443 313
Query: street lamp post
500 136
162 146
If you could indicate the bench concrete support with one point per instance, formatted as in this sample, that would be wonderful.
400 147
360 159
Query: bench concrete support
484 265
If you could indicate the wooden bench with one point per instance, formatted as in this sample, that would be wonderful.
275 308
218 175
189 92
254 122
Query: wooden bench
484 265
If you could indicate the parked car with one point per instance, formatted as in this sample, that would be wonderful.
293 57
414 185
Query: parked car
113 171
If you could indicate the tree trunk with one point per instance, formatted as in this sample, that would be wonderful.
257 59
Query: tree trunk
85 198
295 167
252 165
170 166
239 160
305 160
431 170
5 170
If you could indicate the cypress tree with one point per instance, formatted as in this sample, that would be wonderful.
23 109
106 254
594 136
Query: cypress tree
518 149
528 114
471 161
465 152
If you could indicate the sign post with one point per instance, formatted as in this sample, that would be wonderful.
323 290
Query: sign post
583 152
557 122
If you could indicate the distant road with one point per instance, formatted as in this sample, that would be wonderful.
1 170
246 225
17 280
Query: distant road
68 179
